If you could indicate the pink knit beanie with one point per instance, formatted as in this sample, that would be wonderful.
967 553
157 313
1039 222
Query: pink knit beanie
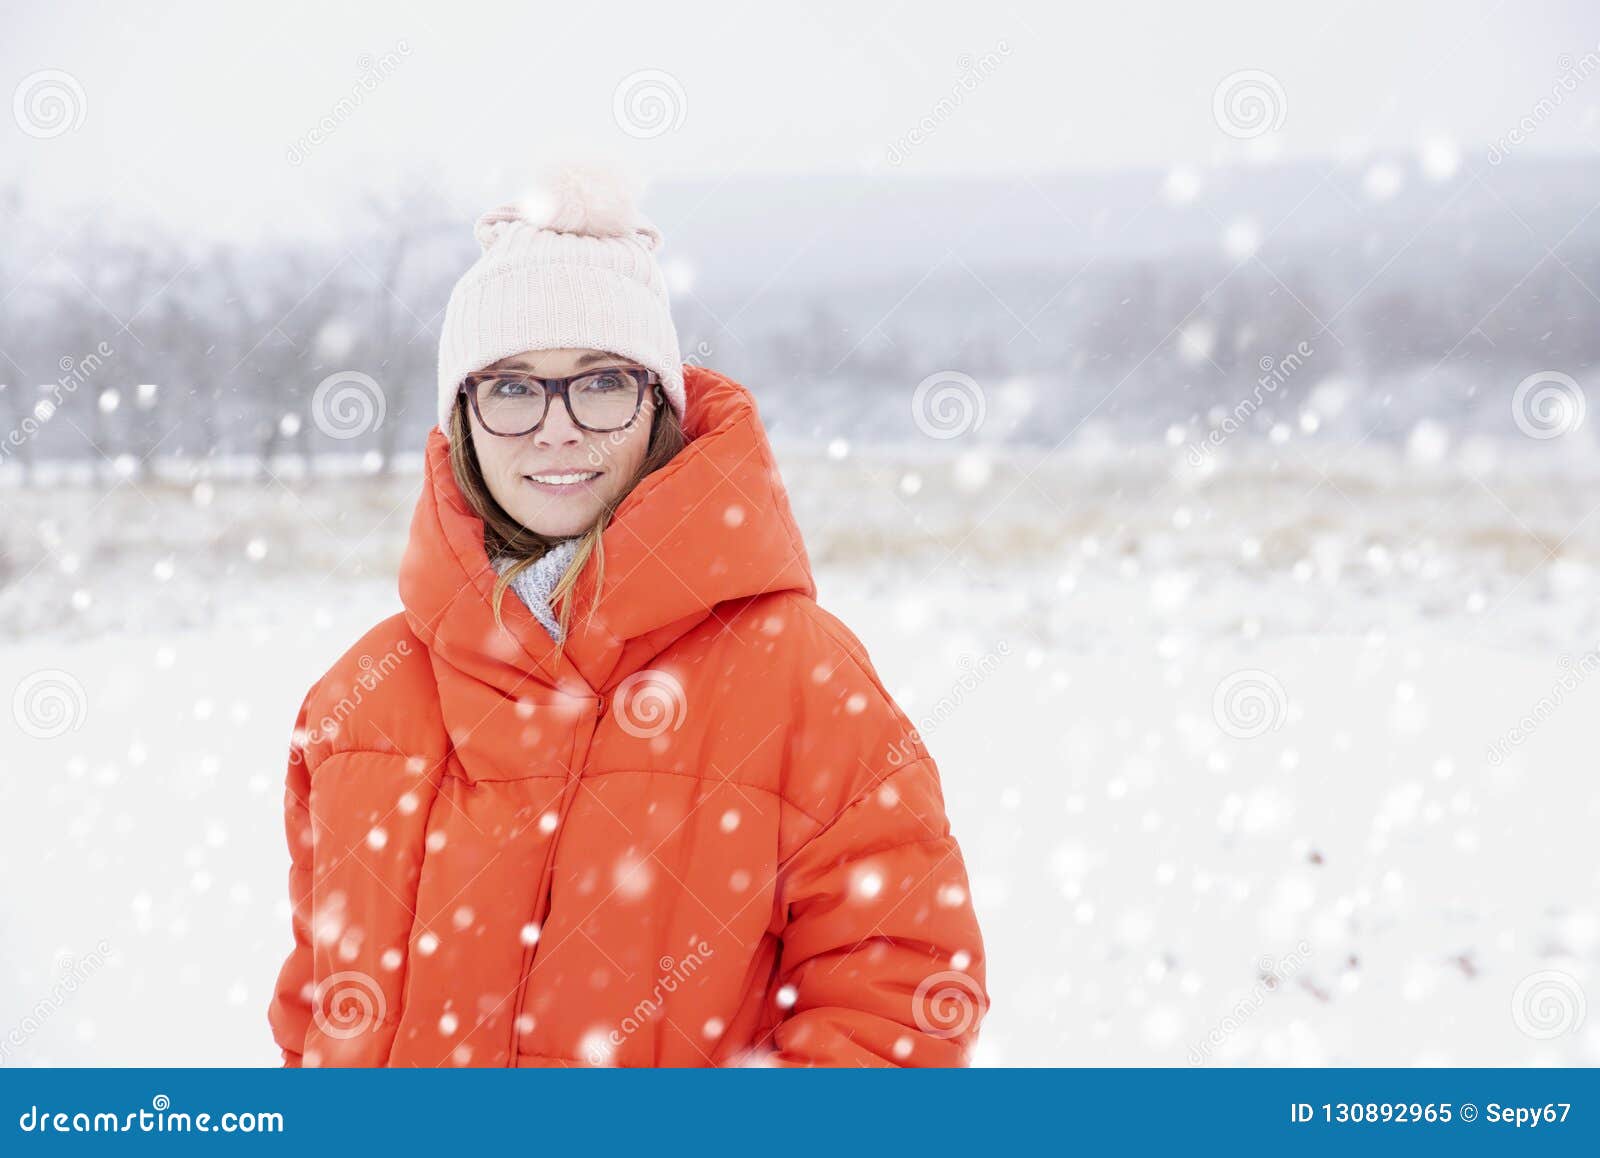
572 266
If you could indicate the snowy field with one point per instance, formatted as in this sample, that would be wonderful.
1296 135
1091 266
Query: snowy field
1286 761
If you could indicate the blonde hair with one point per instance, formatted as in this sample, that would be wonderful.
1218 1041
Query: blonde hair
504 536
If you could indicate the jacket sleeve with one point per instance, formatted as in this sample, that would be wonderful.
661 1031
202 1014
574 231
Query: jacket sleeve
882 961
290 1010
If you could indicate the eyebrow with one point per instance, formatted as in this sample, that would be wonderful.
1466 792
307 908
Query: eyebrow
588 359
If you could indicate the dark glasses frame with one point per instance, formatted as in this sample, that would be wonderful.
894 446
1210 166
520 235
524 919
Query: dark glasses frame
558 388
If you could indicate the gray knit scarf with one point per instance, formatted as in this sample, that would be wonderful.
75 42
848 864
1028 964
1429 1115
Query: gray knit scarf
535 585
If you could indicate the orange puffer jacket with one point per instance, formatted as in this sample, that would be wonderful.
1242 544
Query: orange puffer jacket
700 833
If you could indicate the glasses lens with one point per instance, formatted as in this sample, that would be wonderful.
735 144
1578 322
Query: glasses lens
509 405
604 400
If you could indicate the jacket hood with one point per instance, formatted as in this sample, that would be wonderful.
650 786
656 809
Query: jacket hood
712 525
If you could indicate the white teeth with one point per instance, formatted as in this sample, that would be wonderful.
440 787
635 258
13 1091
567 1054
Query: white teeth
565 479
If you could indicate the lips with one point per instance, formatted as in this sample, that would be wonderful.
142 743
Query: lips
562 481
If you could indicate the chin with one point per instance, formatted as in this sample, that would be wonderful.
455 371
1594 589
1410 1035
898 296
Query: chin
556 524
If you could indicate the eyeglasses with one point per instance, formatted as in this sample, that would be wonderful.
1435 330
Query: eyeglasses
511 403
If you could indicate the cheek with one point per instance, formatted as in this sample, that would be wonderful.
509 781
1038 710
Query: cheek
624 462
492 460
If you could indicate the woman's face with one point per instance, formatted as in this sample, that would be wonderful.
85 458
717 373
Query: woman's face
556 480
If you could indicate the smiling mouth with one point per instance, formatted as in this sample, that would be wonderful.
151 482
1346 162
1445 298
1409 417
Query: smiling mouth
560 482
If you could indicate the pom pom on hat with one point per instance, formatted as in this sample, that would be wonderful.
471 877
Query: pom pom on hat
592 200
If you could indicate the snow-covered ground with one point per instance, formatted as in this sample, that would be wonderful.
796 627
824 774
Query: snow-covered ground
1288 760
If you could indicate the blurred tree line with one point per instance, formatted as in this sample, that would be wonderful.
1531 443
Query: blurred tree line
217 351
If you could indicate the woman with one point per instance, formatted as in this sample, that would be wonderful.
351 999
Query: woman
656 810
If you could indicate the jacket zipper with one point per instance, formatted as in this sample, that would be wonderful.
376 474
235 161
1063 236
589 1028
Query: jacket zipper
542 893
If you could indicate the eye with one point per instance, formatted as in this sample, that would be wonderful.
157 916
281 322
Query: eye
606 381
509 388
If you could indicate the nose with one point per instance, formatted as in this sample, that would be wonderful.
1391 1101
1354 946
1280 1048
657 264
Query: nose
558 428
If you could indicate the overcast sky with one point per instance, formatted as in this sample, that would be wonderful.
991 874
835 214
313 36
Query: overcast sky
179 108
